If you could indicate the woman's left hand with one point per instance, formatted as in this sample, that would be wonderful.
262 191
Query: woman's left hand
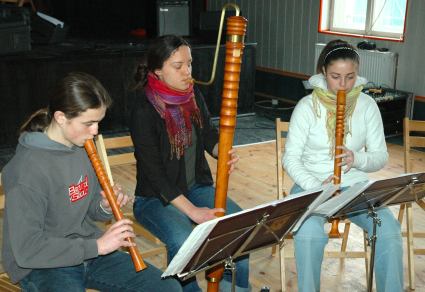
121 198
234 158
347 158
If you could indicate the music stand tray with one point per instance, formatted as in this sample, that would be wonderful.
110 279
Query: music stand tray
216 241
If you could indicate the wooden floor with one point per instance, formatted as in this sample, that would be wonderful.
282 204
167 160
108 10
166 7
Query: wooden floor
254 182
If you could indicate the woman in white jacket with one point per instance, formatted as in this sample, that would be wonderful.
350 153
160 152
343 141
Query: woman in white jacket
309 161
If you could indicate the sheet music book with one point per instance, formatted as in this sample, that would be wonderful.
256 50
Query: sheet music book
375 193
285 215
328 191
333 205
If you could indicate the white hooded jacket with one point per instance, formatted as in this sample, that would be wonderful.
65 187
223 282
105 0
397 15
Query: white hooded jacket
306 157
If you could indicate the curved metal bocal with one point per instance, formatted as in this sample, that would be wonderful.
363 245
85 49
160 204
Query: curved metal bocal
217 47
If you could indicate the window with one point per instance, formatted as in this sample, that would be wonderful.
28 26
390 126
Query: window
382 19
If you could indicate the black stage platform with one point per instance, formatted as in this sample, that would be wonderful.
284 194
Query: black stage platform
26 78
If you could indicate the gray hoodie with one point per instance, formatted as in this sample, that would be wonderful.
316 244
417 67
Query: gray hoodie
52 200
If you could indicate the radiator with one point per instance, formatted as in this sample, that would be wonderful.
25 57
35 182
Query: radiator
379 68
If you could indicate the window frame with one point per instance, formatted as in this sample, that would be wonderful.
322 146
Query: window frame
326 22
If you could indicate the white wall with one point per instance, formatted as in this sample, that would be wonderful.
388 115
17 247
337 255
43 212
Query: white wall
286 31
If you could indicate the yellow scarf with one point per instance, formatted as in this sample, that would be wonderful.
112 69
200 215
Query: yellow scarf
328 100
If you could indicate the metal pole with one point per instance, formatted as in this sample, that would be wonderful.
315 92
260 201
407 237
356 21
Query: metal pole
231 266
372 241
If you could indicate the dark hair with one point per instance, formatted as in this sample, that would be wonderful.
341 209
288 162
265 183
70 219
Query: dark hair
158 52
336 50
74 94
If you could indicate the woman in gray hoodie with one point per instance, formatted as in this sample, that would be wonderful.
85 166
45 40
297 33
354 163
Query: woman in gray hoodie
53 198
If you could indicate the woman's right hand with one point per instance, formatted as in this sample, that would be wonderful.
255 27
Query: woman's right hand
196 214
115 236
329 179
201 215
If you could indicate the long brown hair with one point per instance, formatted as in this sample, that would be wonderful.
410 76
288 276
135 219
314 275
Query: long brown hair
158 52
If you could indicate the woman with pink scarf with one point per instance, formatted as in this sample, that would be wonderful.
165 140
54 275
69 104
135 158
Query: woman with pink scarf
171 130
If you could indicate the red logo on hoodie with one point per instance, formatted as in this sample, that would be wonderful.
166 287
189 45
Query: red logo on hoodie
78 191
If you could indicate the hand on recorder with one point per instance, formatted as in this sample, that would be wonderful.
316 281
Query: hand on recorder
115 236
234 158
201 215
196 214
329 179
347 158
122 199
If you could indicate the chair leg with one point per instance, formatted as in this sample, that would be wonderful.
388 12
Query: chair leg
421 204
410 246
282 268
274 249
344 241
401 213
165 260
6 285
366 256
365 244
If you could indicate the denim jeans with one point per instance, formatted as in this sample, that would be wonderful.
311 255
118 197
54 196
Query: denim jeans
114 272
173 227
311 239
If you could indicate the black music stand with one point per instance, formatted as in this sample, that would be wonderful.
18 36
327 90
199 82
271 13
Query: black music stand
369 196
224 239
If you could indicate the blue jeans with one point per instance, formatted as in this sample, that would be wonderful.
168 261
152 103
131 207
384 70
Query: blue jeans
311 239
173 227
112 272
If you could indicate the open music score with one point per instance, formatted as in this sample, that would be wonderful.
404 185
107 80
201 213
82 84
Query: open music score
234 235
375 194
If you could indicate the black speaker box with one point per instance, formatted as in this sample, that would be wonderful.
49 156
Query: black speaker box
173 17
14 29
45 32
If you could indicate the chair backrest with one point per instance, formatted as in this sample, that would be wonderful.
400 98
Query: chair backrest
417 128
118 158
5 284
114 159
1 195
282 129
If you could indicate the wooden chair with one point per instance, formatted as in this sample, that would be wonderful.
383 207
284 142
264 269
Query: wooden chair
21 3
282 129
417 128
127 158
5 284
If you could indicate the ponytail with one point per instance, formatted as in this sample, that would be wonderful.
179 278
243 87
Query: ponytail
140 77
37 122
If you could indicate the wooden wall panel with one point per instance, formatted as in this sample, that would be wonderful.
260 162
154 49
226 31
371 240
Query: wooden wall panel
286 31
